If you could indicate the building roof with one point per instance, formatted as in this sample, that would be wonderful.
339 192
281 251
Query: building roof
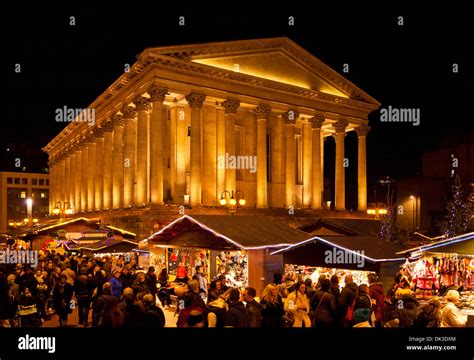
107 243
373 248
345 226
461 244
243 231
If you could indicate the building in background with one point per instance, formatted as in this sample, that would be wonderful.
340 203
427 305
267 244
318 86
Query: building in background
16 191
423 198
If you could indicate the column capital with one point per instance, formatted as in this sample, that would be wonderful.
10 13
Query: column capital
141 103
340 125
231 105
262 111
128 112
88 138
291 116
117 120
317 121
362 130
157 93
195 100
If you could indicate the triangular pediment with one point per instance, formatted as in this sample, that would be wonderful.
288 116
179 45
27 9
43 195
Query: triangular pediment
276 59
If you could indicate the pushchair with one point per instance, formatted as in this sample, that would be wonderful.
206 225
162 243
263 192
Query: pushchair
27 316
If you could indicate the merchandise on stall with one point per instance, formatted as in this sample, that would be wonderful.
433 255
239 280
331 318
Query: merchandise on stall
233 265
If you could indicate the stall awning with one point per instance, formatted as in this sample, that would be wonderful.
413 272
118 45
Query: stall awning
462 244
370 247
239 231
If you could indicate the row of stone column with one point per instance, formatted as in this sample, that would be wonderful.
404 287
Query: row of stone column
109 168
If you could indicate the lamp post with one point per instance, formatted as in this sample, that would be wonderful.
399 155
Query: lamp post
29 211
233 199
413 198
62 209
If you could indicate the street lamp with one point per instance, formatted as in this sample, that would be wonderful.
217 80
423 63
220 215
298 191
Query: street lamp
413 198
239 197
29 211
60 209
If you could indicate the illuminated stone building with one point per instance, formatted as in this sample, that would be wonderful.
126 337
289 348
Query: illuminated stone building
170 129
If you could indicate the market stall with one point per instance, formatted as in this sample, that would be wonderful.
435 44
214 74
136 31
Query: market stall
443 265
341 255
236 246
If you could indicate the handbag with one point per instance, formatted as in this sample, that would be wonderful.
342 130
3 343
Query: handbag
317 308
287 321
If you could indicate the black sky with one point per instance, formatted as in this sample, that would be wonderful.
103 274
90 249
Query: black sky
405 66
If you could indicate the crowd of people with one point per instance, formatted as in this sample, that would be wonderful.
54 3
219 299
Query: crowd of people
119 294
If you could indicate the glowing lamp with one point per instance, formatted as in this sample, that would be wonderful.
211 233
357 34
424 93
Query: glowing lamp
232 201
56 211
11 224
25 220
223 201
18 224
242 202
68 211
29 202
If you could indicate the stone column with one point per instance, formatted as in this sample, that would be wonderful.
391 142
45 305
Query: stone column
84 176
108 170
262 112
62 179
91 174
78 180
67 176
72 178
195 101
52 183
129 139
99 171
307 164
290 173
362 167
142 107
317 122
340 127
157 96
230 110
117 163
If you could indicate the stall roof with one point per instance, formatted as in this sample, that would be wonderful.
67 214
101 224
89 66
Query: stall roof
374 249
458 244
245 231
344 226
104 244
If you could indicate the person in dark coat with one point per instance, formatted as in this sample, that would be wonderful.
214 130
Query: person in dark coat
126 277
363 299
406 310
108 312
238 315
429 316
4 300
253 307
131 309
272 307
153 316
323 306
82 286
151 281
346 299
376 293
62 296
139 285
191 297
310 291
27 279
215 291
335 290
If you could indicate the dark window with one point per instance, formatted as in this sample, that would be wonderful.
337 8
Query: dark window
17 181
9 181
34 181
24 181
41 181
189 130
47 182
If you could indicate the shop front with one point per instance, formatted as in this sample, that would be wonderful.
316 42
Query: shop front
357 255
236 247
435 268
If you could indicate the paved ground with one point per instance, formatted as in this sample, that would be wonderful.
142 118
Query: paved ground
73 319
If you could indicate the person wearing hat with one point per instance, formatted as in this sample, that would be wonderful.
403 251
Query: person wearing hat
451 316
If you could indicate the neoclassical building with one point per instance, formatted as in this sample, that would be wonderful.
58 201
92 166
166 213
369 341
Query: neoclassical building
169 129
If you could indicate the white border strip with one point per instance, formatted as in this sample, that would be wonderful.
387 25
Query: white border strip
435 245
205 227
337 246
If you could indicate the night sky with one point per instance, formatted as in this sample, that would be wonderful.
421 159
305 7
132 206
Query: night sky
407 66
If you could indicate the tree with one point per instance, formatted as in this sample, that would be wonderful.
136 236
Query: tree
458 211
388 229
